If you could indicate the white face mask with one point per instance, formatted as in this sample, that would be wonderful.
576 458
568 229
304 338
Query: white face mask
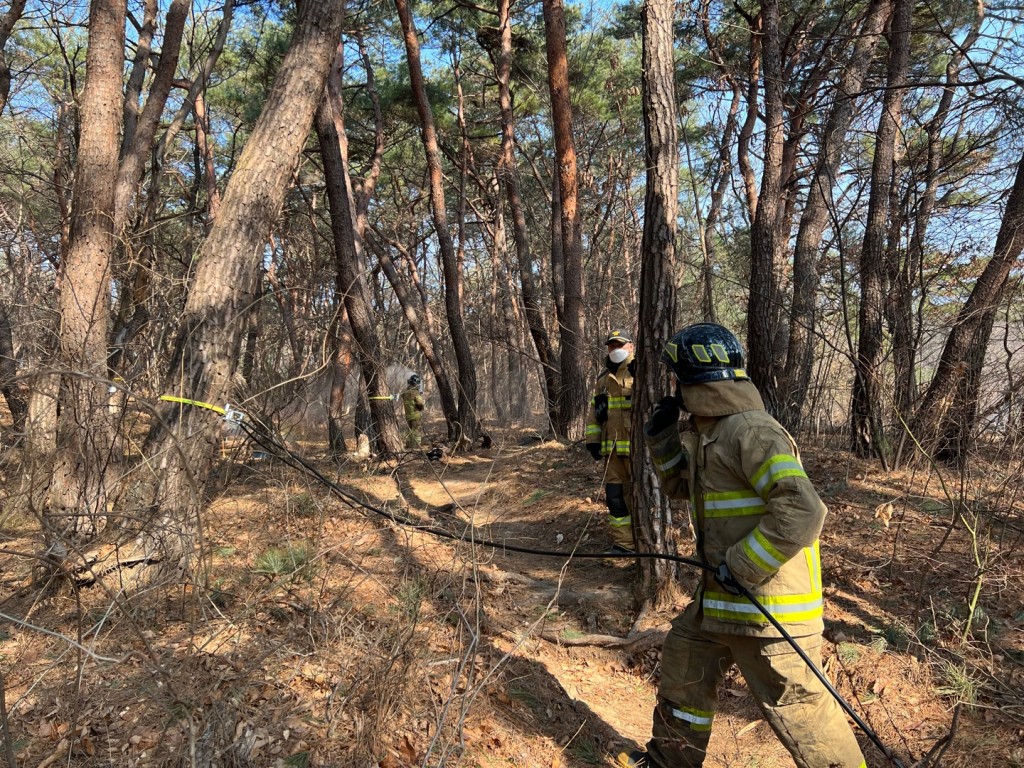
618 355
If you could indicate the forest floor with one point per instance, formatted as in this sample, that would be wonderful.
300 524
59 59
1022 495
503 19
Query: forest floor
320 634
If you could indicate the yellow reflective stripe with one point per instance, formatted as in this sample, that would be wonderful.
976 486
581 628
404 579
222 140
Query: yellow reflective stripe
669 463
620 403
777 467
619 446
812 555
732 504
619 522
762 552
593 429
784 608
697 719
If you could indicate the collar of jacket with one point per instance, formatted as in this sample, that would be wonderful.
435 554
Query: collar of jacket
618 370
709 401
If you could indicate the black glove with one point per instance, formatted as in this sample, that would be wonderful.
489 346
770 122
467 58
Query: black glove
724 577
601 408
666 413
595 450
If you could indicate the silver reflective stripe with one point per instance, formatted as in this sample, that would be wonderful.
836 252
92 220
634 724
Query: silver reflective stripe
779 611
690 718
672 462
763 553
769 476
750 501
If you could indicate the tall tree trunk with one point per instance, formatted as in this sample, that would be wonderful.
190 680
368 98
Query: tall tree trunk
452 276
814 219
509 177
945 419
903 273
13 394
652 511
76 501
572 399
762 316
205 148
184 440
413 309
867 431
7 22
341 366
138 144
747 129
350 263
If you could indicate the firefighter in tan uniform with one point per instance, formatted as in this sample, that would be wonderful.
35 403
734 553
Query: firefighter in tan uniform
412 405
756 518
608 436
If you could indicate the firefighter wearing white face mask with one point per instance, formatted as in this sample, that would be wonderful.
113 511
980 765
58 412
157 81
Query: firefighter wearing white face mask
608 435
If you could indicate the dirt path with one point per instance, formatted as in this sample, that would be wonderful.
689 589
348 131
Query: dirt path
325 636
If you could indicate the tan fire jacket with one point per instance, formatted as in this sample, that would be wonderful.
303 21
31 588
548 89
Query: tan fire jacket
617 387
412 404
752 506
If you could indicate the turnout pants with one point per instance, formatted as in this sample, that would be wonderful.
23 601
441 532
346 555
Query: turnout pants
803 714
618 489
413 437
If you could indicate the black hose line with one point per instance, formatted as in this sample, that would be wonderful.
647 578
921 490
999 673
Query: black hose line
263 437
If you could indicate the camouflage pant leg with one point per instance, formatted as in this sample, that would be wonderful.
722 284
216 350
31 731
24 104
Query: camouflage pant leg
692 666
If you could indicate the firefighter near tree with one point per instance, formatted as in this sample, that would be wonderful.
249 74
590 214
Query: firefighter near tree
756 517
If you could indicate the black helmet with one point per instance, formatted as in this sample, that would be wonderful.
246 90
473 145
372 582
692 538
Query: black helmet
704 352
414 380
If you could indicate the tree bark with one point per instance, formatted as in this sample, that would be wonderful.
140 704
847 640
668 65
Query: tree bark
903 273
572 399
350 263
183 442
763 327
341 366
652 512
77 497
13 394
815 217
7 22
944 421
509 178
138 144
867 431
412 308
452 277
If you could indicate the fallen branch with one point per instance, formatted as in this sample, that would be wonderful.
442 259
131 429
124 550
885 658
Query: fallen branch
939 747
639 642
